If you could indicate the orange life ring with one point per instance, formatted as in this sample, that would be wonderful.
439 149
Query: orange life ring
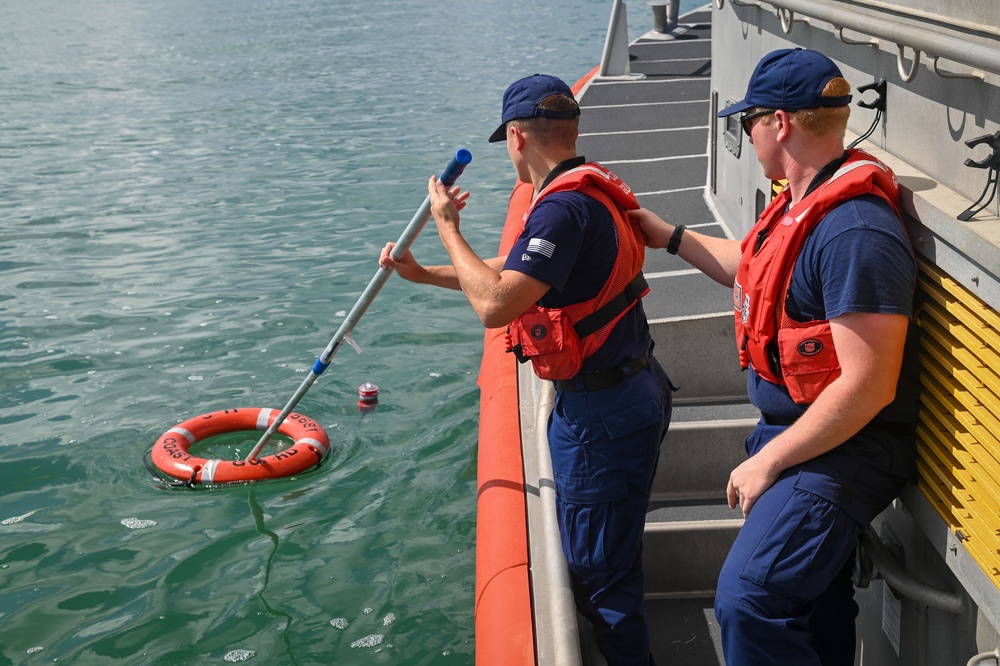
170 453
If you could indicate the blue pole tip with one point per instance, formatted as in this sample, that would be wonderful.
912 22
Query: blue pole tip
456 167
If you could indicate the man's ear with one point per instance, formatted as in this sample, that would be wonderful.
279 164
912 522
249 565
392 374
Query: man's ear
518 135
784 121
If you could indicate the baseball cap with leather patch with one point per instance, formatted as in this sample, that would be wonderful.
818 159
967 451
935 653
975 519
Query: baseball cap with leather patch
789 79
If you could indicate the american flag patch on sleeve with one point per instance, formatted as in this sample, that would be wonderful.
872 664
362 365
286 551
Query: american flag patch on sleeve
541 246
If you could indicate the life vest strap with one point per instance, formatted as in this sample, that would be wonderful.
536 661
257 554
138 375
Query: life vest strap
597 320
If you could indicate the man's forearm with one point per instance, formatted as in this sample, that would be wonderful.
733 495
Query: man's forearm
447 277
475 277
441 276
717 258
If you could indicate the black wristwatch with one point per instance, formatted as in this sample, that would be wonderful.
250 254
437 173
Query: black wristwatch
675 239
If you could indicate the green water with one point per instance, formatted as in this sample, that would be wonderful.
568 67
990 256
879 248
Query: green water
193 196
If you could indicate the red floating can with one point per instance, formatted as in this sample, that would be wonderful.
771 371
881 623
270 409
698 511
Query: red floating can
367 397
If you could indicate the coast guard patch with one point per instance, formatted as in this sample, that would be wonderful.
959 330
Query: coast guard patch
810 347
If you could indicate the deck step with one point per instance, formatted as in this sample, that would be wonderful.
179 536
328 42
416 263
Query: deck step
697 456
699 352
683 558
687 633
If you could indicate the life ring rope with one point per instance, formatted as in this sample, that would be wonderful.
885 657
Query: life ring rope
170 454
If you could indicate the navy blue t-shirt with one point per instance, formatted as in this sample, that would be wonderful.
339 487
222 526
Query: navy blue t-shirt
570 243
857 259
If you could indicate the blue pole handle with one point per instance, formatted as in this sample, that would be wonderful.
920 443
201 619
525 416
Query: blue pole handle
455 167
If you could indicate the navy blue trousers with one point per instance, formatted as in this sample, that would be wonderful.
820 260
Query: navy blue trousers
785 594
605 446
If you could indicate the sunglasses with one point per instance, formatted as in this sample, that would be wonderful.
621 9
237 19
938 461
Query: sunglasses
746 120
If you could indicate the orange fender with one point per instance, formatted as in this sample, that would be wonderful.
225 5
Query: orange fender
505 633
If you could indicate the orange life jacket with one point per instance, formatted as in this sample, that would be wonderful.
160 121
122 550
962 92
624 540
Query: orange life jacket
798 355
557 340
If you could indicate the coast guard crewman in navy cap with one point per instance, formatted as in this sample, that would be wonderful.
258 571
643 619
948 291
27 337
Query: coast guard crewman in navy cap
822 297
569 290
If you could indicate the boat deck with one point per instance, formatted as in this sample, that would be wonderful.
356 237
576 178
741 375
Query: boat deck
654 133
653 130
654 127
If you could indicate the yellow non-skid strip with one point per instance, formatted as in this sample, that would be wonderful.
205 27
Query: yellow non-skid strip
958 461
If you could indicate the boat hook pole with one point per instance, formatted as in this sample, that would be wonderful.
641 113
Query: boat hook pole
413 229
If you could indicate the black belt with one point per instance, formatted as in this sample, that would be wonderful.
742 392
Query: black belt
602 379
899 429
771 419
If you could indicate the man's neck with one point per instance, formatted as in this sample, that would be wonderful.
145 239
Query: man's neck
561 167
802 175
544 164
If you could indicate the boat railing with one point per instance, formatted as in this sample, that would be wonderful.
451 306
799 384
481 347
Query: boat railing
884 25
874 550
557 636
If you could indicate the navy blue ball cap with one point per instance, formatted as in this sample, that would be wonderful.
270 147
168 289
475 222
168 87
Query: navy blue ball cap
789 79
523 98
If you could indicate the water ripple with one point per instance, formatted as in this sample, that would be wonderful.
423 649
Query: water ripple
194 195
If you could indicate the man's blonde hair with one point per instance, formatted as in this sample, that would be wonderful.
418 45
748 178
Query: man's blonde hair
562 132
826 120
